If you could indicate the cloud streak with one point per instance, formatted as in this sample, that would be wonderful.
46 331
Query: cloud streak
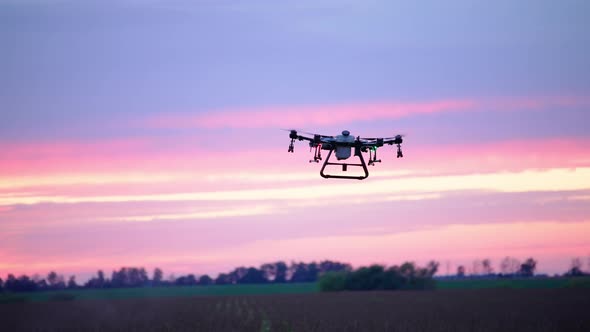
558 179
328 115
189 164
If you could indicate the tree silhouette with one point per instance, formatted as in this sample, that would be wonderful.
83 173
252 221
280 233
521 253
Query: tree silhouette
188 280
275 272
432 268
223 279
20 284
205 280
377 277
407 269
129 277
575 268
365 278
303 272
237 274
527 269
281 269
253 276
158 276
331 266
460 271
487 268
72 282
509 266
56 281
100 279
52 278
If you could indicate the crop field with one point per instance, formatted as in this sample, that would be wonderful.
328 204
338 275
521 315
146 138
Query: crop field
271 289
143 292
562 309
467 283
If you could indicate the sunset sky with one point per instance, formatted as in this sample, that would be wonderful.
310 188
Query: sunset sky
147 133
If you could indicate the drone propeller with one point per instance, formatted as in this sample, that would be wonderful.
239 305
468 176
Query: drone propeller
375 138
306 132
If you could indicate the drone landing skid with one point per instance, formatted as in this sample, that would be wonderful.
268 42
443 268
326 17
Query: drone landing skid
345 168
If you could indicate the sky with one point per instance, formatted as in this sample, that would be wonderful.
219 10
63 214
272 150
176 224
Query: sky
148 133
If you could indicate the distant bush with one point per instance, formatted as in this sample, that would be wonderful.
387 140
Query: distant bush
333 281
377 277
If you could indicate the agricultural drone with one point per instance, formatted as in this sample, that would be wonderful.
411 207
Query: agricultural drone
343 145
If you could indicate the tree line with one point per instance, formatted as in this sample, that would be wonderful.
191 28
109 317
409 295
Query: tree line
512 267
379 277
129 277
332 275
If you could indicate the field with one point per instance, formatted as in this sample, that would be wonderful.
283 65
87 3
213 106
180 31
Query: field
272 289
559 309
126 293
516 283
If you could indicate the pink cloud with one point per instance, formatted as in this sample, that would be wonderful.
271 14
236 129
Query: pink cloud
513 155
143 170
322 115
45 157
293 116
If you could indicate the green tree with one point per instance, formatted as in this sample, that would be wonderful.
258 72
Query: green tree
333 281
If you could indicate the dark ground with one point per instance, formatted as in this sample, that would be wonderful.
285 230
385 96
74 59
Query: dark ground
445 310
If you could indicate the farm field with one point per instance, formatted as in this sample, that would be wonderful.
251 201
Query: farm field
468 283
269 289
143 292
563 309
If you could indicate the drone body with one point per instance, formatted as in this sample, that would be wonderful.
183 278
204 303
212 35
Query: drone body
342 146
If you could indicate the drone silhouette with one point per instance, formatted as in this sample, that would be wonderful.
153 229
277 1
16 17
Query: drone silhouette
342 145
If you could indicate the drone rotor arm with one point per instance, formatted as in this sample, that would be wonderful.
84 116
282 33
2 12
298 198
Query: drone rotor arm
304 138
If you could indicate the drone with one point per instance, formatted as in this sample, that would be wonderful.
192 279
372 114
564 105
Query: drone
341 146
